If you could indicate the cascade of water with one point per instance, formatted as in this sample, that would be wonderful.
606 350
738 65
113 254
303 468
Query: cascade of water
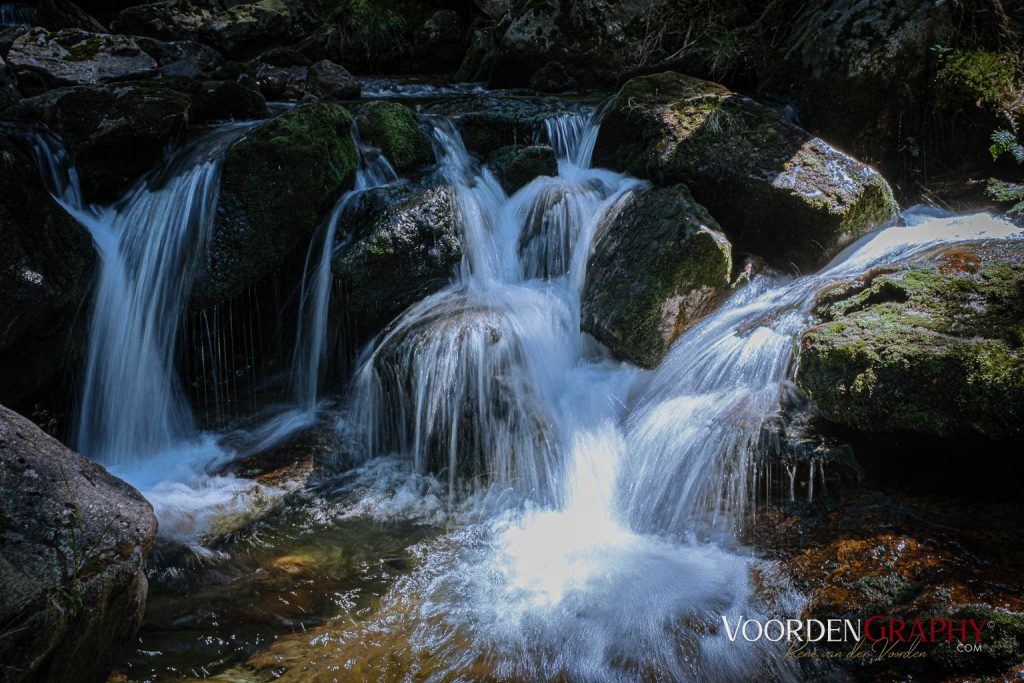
17 15
373 171
133 405
467 382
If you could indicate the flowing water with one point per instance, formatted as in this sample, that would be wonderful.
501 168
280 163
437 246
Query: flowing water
530 509
17 15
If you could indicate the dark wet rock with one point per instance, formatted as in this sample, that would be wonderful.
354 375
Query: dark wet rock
477 62
45 266
778 191
8 85
182 58
167 20
553 77
392 127
73 57
495 9
323 80
115 133
64 14
244 30
869 60
284 56
659 265
332 81
277 184
489 123
929 349
440 42
74 541
224 101
516 165
406 247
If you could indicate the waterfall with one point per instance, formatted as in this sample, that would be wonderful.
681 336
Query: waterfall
133 405
615 559
17 15
467 382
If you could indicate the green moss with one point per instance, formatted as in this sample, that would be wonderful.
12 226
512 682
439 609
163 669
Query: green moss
81 46
992 79
373 25
1002 642
394 128
921 351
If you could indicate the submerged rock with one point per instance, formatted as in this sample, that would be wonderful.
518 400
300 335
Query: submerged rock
277 184
73 57
392 127
660 265
516 165
73 543
406 247
931 349
114 133
45 266
778 191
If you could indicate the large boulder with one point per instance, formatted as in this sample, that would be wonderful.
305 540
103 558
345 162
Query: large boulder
393 128
73 545
659 265
931 349
166 20
516 165
73 57
45 267
871 60
114 133
277 184
323 80
245 30
406 246
778 191
182 58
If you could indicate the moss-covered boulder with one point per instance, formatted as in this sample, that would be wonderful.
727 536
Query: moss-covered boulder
277 184
660 264
115 133
777 190
45 266
405 247
392 127
516 165
933 349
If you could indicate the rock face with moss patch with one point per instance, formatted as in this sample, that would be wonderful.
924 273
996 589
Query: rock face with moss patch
114 133
661 264
72 57
516 165
392 127
277 184
45 265
405 247
778 191
928 349
73 545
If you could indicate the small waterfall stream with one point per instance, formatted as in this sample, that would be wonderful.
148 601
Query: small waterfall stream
591 506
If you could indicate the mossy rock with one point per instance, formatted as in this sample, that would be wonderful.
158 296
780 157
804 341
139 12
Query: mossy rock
660 265
393 127
778 191
515 166
924 349
406 247
277 184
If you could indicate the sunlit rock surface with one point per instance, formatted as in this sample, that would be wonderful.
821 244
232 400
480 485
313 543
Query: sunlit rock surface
778 191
